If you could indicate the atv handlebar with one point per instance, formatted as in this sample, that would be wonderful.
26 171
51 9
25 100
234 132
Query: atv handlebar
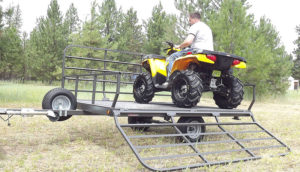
170 44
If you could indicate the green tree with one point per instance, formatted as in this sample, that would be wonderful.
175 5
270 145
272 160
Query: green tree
109 20
130 36
278 63
1 18
1 31
159 28
10 43
71 23
11 53
48 39
71 19
296 69
90 35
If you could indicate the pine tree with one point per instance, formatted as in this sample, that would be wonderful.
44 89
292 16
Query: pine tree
296 68
1 18
90 35
13 17
159 28
10 43
71 19
130 36
278 63
109 19
1 30
48 40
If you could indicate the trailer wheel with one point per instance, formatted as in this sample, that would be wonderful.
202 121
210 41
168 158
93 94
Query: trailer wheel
59 98
143 88
139 120
235 95
193 131
186 89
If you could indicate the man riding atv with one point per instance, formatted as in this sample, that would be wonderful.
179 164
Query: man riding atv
199 37
190 72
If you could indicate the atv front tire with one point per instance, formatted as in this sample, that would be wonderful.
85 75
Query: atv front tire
186 89
143 88
234 96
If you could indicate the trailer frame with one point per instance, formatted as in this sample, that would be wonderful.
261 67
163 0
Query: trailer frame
167 111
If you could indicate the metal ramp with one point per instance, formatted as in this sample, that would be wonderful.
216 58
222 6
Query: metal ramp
166 148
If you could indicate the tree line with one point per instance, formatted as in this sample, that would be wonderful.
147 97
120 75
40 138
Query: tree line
38 55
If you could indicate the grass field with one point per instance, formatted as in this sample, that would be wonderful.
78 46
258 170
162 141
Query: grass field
94 143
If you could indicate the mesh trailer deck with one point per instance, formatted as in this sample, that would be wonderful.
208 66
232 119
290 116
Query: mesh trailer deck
164 141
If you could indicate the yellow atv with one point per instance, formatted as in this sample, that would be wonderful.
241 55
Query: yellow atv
195 72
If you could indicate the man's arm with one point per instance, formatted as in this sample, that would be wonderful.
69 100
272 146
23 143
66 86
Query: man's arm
187 42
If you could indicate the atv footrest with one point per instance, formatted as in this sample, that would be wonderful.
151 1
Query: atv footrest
164 147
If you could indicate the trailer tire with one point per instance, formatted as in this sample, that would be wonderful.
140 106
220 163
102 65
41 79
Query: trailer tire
139 120
59 95
235 95
197 129
143 88
186 89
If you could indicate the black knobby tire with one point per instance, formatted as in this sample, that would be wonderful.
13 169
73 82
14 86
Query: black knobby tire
234 96
198 129
186 89
139 120
143 88
51 95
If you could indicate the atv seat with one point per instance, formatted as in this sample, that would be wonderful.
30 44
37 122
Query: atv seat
151 56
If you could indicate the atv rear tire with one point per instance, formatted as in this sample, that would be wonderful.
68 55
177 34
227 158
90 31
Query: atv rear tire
234 96
59 96
186 89
143 88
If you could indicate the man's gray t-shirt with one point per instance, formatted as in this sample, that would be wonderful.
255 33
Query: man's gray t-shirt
203 36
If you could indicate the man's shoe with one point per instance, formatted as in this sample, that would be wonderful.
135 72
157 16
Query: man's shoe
165 84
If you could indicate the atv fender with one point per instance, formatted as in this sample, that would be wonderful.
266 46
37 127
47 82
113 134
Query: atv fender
158 70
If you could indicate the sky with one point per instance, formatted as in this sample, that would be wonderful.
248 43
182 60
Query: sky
284 14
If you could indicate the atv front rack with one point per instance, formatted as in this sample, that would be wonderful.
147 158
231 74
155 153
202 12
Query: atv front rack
161 149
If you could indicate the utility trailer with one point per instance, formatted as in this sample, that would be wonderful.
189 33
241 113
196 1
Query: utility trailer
183 137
